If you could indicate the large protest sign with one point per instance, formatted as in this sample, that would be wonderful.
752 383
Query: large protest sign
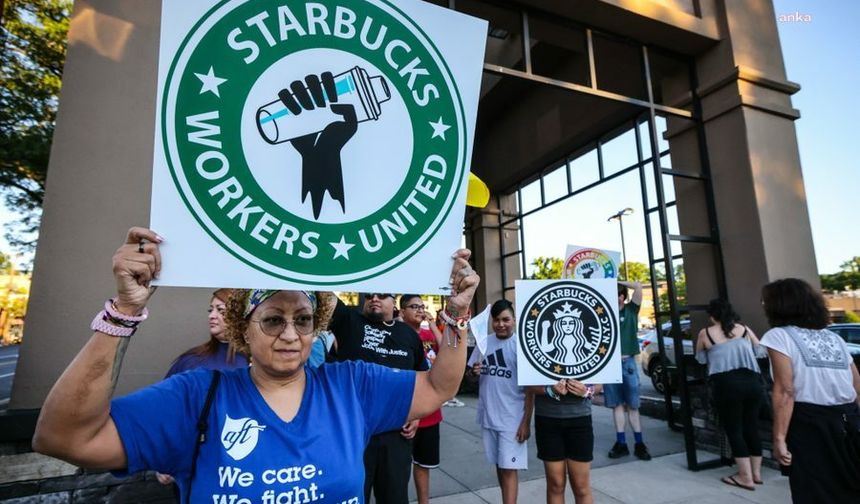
313 144
567 329
590 263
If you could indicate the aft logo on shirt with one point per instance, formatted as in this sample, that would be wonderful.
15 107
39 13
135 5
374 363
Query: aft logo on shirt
495 365
239 436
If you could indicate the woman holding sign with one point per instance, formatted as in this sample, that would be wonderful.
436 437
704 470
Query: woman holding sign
275 432
565 438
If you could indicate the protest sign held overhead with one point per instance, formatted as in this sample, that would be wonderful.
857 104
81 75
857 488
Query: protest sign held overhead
314 144
586 263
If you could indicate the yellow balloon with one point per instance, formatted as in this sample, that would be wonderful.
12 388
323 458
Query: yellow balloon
478 194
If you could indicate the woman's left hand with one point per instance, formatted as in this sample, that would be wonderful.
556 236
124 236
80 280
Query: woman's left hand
576 387
781 453
463 281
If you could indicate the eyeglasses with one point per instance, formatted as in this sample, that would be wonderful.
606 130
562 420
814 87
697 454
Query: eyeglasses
379 295
275 325
415 307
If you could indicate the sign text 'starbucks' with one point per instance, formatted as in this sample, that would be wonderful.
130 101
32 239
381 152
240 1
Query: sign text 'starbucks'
218 107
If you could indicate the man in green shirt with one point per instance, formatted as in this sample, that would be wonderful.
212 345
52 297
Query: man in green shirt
624 397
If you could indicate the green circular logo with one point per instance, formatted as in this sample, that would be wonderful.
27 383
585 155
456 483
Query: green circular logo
318 142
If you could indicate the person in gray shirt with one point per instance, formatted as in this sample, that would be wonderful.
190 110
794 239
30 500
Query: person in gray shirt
565 438
728 348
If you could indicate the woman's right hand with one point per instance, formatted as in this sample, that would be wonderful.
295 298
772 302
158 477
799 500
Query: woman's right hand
133 270
560 387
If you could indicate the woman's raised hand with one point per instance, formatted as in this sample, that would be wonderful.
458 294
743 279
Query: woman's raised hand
464 281
135 264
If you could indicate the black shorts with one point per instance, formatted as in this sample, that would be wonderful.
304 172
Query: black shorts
564 438
425 447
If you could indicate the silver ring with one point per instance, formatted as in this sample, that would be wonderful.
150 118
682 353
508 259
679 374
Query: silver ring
467 271
140 247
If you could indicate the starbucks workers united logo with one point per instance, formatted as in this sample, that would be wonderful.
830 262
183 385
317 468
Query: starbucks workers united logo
321 142
568 330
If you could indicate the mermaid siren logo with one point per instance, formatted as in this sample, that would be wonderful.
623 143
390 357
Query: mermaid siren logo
319 116
568 331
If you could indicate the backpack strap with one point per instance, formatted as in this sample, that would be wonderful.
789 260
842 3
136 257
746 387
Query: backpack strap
202 427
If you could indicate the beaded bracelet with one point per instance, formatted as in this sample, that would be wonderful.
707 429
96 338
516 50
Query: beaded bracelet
112 322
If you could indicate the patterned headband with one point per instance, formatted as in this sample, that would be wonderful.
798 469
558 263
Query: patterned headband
258 296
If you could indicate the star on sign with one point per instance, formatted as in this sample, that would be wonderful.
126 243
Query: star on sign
341 248
557 368
439 128
602 350
599 310
210 82
535 312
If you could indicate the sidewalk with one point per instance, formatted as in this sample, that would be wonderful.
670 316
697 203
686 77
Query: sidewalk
465 477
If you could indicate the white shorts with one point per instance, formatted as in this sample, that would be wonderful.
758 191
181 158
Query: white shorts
503 450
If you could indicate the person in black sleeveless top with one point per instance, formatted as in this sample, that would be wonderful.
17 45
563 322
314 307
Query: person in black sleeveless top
728 348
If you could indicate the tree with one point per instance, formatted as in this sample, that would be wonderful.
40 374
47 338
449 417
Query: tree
680 288
32 54
846 279
638 272
547 268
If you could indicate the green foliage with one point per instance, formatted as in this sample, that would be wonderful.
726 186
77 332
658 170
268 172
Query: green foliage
638 272
680 288
13 294
846 279
547 268
852 317
33 39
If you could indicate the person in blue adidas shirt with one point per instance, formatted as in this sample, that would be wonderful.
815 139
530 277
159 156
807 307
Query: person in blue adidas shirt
276 432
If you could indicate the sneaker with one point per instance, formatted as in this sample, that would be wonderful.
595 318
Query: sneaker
641 451
454 403
618 450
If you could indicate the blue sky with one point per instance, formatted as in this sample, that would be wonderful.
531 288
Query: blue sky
821 55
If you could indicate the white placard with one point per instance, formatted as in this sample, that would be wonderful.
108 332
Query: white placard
480 326
590 263
568 329
302 145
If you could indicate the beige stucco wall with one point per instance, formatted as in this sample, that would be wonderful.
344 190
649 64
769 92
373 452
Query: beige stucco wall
99 185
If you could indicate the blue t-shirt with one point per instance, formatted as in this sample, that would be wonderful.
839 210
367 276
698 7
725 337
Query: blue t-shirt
216 361
252 454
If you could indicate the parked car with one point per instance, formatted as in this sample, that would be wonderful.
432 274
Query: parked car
851 334
655 367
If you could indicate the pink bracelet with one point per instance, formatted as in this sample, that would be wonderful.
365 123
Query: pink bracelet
101 324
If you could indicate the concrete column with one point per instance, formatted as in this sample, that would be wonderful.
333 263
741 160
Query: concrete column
98 186
485 240
753 155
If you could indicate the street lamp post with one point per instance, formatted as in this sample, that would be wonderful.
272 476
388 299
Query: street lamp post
620 216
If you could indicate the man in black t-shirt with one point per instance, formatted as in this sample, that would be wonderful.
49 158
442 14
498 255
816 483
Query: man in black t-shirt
373 335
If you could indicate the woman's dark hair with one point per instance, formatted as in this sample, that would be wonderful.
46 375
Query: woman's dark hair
405 298
500 306
210 348
792 301
723 312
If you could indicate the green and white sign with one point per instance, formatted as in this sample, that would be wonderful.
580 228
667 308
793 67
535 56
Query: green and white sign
320 144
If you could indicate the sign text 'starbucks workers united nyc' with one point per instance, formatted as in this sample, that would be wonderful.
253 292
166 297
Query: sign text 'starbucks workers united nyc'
316 143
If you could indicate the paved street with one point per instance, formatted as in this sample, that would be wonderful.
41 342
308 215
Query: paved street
8 362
